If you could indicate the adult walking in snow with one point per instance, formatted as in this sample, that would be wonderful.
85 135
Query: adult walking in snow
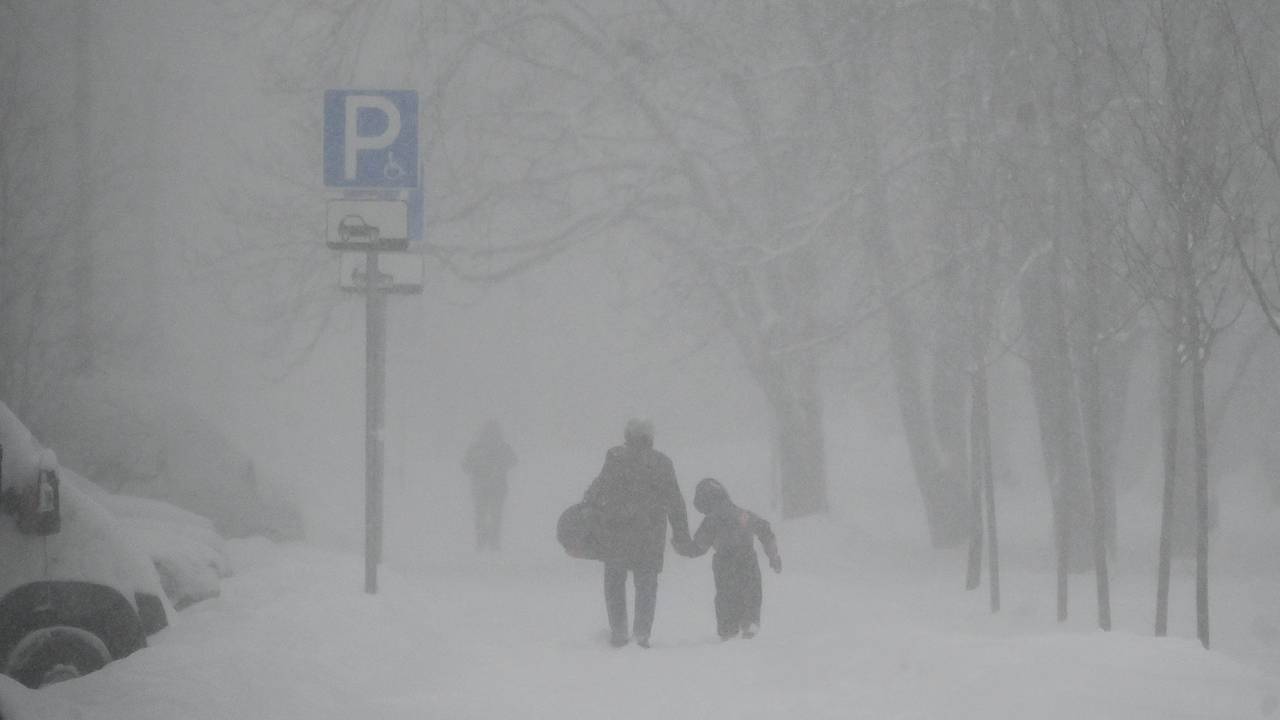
487 462
637 495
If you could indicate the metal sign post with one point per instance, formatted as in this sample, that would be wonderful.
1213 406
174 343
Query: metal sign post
371 151
375 389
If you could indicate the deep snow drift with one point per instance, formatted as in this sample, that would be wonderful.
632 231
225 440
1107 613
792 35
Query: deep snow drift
851 630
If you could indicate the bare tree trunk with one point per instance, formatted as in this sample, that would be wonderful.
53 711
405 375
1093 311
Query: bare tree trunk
983 415
1202 498
1091 389
1043 301
1194 341
973 569
983 490
1062 536
792 391
1053 386
983 320
1099 485
943 496
1172 400
946 503
1090 349
945 328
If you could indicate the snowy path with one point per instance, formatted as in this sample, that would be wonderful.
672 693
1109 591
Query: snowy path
293 637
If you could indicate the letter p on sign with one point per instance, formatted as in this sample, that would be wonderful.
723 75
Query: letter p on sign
371 138
354 142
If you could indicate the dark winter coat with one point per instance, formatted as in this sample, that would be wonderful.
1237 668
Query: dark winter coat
728 528
488 461
638 495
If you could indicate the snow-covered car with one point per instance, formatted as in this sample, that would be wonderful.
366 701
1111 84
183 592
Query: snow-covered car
137 440
188 553
75 590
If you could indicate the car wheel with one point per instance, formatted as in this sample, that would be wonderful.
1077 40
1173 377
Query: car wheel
56 653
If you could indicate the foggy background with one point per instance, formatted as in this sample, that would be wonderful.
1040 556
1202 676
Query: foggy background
163 216
562 356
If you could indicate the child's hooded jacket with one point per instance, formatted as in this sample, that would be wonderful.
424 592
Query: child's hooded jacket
727 527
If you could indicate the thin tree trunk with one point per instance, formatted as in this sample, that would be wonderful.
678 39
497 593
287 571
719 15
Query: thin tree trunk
989 486
973 572
1091 375
793 395
945 501
1099 509
1202 496
1062 527
1172 400
1194 340
1092 391
983 491
1055 395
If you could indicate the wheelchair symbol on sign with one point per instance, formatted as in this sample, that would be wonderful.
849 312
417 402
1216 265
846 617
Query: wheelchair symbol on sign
392 170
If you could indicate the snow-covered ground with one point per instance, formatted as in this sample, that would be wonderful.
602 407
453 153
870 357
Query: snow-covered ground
851 629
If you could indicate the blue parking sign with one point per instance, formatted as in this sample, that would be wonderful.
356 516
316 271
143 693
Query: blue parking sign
371 138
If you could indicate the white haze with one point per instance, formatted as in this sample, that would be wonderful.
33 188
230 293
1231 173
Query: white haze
561 356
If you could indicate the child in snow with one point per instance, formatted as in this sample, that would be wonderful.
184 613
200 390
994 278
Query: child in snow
732 532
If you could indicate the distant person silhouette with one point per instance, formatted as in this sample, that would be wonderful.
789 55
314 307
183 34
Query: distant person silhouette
637 494
487 462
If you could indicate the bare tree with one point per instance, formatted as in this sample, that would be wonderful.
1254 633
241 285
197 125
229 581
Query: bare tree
971 185
702 131
1175 65
929 348
1043 160
1259 260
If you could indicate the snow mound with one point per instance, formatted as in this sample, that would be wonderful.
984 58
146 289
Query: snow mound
294 636
188 552
18 702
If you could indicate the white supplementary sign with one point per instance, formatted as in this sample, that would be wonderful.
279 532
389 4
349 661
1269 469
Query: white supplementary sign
367 224
398 273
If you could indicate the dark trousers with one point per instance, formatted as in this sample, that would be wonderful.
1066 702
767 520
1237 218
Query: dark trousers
738 591
488 504
615 599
